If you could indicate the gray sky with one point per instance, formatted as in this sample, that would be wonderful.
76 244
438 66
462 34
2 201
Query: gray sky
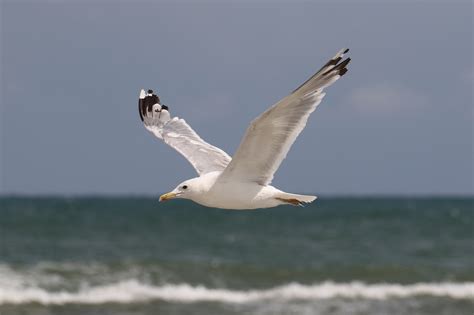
400 121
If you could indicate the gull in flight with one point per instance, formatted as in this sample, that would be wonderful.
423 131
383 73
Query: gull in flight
243 181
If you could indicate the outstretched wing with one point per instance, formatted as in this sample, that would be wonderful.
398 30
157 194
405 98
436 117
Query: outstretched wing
179 135
270 136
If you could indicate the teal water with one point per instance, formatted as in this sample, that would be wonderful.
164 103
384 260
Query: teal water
336 256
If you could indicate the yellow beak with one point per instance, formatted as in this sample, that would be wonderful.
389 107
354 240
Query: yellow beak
167 196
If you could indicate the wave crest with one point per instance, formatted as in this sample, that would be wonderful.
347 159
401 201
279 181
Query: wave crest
132 291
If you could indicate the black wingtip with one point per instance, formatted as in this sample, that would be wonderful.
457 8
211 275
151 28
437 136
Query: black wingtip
342 66
333 62
145 105
336 66
344 63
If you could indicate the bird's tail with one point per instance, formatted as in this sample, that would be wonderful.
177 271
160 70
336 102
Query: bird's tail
294 199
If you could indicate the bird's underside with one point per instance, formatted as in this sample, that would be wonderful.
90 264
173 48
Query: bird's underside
243 181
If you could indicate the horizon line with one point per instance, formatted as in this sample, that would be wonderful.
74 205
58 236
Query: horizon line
320 196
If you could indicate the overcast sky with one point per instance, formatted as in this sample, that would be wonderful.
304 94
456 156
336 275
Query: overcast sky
399 122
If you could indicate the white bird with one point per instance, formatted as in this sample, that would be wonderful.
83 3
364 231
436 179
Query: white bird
242 182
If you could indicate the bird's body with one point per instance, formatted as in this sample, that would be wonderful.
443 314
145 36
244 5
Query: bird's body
209 191
243 181
244 196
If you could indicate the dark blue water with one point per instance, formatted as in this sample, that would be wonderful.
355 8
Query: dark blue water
336 256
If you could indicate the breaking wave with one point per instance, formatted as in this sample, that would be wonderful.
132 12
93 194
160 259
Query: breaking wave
133 291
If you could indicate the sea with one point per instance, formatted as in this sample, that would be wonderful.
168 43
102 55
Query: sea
134 255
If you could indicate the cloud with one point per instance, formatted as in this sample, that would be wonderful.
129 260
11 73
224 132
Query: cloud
390 98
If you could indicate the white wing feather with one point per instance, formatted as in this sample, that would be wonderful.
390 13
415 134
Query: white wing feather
175 132
270 136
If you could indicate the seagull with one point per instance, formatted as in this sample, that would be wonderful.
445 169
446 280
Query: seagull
243 181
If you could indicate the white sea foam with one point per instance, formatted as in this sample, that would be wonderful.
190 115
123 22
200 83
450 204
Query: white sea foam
34 285
133 291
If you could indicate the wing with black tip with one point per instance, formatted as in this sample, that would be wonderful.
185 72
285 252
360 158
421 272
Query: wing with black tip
271 135
175 132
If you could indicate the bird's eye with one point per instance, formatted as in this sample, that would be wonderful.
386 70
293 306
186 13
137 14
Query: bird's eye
185 187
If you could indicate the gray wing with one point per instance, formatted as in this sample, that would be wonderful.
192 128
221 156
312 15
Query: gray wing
270 136
175 132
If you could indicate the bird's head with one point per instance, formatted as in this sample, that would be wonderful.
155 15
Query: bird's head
186 190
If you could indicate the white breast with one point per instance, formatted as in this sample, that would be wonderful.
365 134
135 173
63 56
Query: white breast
238 195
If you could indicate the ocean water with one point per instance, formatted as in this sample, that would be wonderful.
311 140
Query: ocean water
137 256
